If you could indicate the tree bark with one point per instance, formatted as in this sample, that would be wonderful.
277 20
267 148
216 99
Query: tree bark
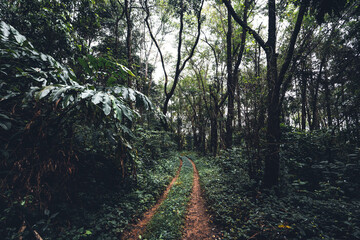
327 100
315 121
272 159
230 85
127 9
303 99
238 102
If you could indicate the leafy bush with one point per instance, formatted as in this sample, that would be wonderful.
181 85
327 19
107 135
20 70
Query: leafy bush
58 138
317 160
153 144
96 214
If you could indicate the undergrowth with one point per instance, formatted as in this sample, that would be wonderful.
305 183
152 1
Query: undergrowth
317 198
95 214
168 222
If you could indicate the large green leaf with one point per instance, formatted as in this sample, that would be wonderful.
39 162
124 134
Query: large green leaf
125 69
87 93
44 92
35 76
97 98
106 104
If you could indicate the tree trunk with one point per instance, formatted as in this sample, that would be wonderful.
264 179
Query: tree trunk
233 73
127 9
327 101
238 106
214 123
303 100
272 158
230 85
315 120
273 132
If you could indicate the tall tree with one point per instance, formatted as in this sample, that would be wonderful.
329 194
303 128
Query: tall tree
233 70
128 10
183 7
275 80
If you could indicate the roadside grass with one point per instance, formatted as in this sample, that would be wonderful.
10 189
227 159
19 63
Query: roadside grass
243 210
222 181
168 222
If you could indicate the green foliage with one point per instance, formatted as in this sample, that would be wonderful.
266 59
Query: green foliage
58 130
154 144
317 199
323 155
228 190
108 215
46 23
102 71
169 220
328 7
98 211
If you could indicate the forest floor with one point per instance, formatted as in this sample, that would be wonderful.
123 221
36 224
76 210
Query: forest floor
198 224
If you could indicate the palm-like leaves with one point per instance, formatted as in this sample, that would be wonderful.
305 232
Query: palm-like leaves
23 70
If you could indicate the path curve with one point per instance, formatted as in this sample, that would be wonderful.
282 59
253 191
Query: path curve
197 223
139 228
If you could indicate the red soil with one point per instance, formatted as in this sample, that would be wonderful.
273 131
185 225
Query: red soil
198 224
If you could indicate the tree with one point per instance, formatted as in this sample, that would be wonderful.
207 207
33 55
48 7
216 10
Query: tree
42 110
183 7
233 70
275 79
47 24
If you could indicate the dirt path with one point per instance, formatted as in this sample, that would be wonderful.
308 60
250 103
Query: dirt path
139 228
198 225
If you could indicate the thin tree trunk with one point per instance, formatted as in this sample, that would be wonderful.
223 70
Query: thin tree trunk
327 101
127 9
309 116
233 73
315 120
229 64
238 99
303 100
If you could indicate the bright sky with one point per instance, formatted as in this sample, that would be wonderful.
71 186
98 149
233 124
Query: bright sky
168 46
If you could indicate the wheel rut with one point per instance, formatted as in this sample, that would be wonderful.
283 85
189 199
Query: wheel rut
139 228
198 225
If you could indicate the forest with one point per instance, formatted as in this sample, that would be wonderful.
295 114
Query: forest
180 119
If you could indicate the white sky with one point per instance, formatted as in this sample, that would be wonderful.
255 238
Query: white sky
168 46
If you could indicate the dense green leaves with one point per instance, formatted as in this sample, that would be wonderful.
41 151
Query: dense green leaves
58 83
47 113
46 23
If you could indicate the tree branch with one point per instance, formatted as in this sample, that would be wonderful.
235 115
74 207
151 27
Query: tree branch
294 35
244 25
197 37
146 8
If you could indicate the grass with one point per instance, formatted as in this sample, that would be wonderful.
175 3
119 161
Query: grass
168 222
